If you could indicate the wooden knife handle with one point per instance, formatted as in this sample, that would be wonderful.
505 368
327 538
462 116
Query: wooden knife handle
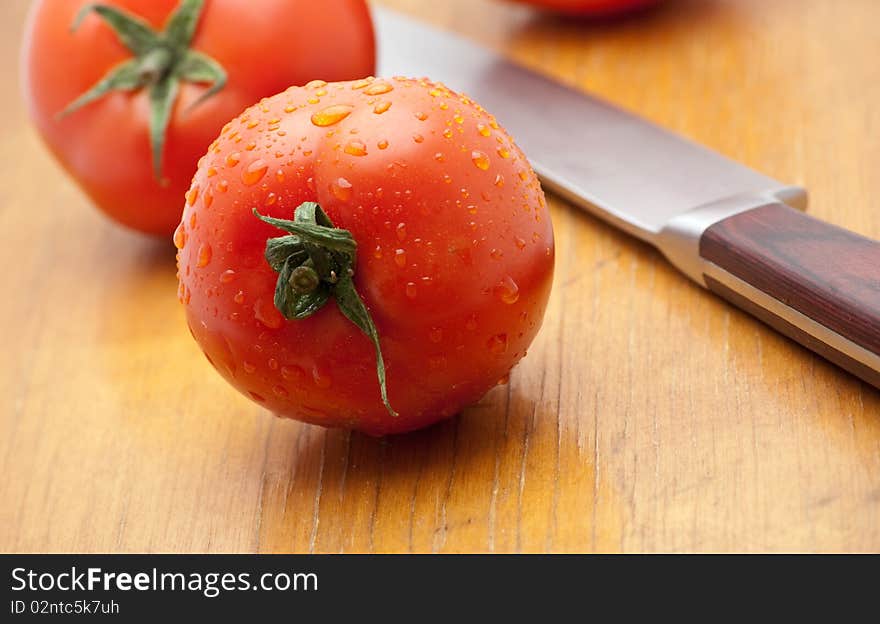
824 277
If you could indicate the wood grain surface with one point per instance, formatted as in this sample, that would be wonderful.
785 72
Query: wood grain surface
648 416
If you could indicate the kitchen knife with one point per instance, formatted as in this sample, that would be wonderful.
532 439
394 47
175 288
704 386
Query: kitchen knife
732 230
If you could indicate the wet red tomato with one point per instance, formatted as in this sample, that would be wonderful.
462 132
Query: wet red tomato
438 222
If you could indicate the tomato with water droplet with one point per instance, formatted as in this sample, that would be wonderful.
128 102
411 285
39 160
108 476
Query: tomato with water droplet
456 290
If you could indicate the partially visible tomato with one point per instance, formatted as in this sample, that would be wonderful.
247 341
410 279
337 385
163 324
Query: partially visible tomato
595 8
263 46
453 260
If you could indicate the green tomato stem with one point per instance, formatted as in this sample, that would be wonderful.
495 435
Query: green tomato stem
161 61
155 64
315 263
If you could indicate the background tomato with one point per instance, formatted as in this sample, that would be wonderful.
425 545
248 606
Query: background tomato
263 45
591 7
454 258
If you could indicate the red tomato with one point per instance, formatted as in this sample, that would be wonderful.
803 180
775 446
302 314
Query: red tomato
454 256
263 45
592 7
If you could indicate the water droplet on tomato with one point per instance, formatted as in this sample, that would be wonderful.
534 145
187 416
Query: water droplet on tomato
507 291
378 88
192 195
248 367
271 198
401 231
331 115
233 159
321 378
280 391
204 255
381 107
356 148
480 159
411 292
383 144
484 130
254 172
400 257
497 344
418 138
292 371
315 84
341 189
180 236
227 276
436 334
267 314
520 243
421 116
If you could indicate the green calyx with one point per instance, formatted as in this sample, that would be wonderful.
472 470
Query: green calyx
315 262
161 61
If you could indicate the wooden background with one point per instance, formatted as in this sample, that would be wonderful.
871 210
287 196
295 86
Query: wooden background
649 416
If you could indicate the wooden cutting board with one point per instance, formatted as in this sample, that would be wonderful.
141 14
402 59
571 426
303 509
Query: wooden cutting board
648 416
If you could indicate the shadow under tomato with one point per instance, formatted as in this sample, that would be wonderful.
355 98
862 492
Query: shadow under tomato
436 489
139 337
138 299
471 436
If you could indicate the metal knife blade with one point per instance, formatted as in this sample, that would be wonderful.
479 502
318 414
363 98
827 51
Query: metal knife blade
729 228
629 172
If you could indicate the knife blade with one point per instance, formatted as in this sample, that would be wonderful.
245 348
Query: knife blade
732 230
